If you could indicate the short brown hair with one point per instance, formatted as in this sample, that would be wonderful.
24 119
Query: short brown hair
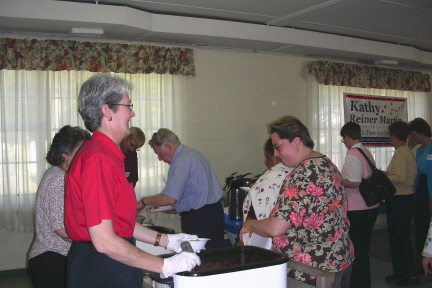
268 147
420 126
399 130
289 127
352 130
137 134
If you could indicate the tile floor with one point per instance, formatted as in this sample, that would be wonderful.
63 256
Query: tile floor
379 268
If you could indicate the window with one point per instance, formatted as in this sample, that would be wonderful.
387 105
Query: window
34 105
327 118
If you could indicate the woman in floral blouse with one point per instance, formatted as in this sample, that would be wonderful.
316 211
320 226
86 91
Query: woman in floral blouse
308 223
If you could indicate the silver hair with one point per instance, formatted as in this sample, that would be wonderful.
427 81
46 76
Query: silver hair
98 90
163 136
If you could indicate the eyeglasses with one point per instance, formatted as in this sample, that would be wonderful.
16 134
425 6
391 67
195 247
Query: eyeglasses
277 147
130 106
343 141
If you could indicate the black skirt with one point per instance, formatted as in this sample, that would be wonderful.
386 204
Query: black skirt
86 267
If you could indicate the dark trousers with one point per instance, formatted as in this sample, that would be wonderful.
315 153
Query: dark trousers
400 211
88 268
206 222
342 278
48 270
361 226
422 216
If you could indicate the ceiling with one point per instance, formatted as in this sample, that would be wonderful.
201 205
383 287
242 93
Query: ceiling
384 32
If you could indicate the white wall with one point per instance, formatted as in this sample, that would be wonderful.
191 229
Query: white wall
14 247
233 98
229 103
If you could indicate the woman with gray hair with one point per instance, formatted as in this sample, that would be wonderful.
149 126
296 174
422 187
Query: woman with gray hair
47 256
100 204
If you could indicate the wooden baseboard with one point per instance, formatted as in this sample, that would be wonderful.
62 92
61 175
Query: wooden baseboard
14 273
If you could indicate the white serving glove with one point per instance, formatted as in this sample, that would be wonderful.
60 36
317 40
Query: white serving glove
174 243
181 262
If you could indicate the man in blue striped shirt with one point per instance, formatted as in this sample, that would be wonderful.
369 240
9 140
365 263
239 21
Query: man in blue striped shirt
192 188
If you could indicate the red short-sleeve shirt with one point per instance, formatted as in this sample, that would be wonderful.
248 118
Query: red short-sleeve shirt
96 189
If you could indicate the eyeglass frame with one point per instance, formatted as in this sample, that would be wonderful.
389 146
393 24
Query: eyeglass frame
277 147
130 106
413 134
343 139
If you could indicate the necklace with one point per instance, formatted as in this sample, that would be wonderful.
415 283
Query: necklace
304 157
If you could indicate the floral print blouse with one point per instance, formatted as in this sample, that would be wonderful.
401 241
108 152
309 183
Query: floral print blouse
313 200
263 194
49 214
427 251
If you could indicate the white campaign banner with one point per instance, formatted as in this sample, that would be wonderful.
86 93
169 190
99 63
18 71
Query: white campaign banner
374 114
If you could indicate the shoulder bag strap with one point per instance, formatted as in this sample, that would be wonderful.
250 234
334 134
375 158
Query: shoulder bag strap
370 162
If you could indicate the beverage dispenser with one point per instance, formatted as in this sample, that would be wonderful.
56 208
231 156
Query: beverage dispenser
226 188
236 196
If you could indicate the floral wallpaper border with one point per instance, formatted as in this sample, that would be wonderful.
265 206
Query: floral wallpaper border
362 76
56 55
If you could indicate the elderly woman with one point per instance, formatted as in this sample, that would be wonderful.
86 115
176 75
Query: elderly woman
262 196
400 207
362 218
308 223
100 204
420 132
47 256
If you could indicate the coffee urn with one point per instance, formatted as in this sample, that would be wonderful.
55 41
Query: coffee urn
236 196
226 188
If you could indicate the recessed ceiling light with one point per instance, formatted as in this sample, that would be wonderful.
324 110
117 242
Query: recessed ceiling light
98 31
386 62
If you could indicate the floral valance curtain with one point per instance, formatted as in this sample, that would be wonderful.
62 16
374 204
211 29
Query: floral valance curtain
362 76
56 55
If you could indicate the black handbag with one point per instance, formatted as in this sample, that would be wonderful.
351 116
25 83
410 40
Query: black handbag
377 187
